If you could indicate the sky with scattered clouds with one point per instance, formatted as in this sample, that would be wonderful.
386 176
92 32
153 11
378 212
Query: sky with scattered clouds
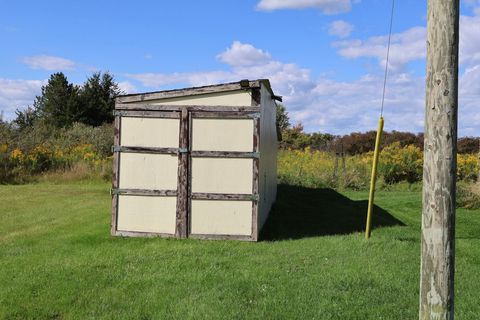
325 57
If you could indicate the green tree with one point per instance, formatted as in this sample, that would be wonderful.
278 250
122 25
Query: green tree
283 121
97 98
25 118
58 105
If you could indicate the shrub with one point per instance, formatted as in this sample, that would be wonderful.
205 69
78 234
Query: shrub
468 196
401 164
100 138
467 167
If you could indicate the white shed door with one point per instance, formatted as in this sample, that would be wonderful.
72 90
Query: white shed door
147 172
215 176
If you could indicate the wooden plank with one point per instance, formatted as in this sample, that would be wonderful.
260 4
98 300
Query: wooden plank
224 196
166 107
255 182
182 188
224 154
227 114
147 114
152 150
186 92
122 233
144 192
221 237
116 174
189 175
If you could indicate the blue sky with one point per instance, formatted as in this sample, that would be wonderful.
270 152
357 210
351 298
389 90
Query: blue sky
325 57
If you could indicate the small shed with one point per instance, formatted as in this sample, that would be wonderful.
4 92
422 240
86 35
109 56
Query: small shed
197 162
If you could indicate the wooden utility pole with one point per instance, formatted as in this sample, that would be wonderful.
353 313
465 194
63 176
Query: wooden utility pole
440 161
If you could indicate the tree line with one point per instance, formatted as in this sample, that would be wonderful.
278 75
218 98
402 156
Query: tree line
294 137
62 103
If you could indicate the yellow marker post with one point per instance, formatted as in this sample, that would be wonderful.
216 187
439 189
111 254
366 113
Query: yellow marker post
374 177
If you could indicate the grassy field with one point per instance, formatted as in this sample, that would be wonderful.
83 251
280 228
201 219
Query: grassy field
58 261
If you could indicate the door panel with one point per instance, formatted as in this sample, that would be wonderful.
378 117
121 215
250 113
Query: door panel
222 135
222 175
220 217
148 171
150 132
147 214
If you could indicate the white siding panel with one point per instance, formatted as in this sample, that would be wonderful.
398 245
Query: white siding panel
149 132
148 171
221 217
229 98
222 175
222 135
147 214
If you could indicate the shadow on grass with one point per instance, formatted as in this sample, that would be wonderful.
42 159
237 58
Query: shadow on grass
302 212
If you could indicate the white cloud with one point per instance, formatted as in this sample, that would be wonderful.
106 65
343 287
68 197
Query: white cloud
157 80
326 6
341 107
320 104
49 63
340 28
127 87
17 94
469 97
243 54
410 45
246 62
469 35
405 47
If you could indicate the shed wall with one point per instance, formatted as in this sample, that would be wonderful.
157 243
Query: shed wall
268 156
224 175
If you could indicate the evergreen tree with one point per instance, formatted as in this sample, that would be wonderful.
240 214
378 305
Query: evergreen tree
58 104
97 98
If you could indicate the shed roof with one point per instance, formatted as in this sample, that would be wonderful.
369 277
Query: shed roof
224 87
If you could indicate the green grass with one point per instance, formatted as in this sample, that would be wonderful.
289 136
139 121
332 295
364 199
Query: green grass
58 261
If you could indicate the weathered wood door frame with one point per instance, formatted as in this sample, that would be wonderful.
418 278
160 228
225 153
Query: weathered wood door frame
184 194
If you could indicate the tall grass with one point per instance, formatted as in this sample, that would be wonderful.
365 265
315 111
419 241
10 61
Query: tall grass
309 168
315 169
